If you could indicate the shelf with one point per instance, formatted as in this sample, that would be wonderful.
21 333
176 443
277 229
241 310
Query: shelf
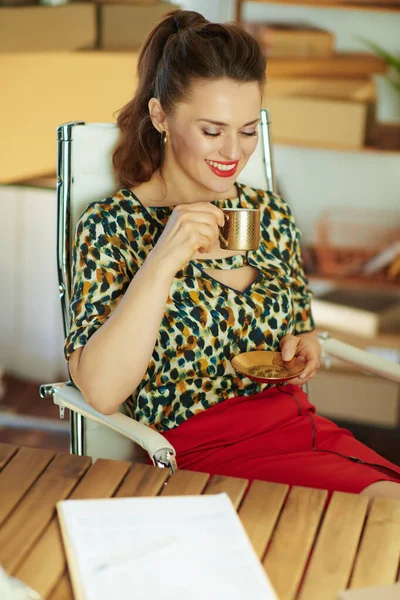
334 148
326 4
45 180
340 64
375 285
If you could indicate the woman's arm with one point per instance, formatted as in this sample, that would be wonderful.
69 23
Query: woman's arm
120 291
113 361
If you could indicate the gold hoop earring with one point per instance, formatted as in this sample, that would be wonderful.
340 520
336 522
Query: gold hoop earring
164 137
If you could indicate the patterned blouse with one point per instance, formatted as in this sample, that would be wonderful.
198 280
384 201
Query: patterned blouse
205 322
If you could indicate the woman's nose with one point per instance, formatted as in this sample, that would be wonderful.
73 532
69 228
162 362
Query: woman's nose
231 149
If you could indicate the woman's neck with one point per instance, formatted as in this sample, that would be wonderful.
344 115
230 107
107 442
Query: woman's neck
168 188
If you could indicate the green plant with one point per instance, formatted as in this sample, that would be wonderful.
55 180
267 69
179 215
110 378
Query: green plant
392 61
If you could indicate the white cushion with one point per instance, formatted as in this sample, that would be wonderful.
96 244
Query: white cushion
91 166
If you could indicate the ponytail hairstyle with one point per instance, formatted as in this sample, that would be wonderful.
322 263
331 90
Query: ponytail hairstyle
183 47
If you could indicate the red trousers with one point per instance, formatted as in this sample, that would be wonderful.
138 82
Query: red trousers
276 436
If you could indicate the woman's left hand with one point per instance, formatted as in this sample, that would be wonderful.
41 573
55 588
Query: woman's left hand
306 347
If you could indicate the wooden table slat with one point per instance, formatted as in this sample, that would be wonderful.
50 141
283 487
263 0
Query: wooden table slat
36 509
185 483
292 540
102 479
336 547
301 545
19 475
63 590
7 451
260 511
46 562
233 486
143 480
381 538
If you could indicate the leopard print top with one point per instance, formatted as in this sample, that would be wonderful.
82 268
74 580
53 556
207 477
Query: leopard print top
205 323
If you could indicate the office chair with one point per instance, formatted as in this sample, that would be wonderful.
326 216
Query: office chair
85 175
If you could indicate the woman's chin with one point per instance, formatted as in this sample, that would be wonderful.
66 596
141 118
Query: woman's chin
220 187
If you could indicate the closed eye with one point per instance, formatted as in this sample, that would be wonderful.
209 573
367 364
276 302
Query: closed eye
245 133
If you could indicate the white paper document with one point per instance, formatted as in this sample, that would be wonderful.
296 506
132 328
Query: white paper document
162 548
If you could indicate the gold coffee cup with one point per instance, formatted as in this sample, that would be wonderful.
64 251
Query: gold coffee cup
241 230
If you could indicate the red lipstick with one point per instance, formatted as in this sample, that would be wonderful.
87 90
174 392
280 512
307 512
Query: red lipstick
225 172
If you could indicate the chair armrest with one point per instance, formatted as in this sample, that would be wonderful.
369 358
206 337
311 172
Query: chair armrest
154 443
360 358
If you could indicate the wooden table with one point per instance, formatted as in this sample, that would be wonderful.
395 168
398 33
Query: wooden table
310 549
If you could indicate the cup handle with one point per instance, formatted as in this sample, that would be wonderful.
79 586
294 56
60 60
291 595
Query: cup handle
224 242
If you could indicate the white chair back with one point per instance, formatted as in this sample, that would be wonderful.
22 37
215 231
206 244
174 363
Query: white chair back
85 175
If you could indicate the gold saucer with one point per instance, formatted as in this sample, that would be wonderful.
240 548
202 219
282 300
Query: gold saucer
267 367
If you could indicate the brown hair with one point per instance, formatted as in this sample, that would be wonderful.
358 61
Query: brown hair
182 47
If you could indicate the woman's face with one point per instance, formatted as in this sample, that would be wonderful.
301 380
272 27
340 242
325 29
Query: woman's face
212 135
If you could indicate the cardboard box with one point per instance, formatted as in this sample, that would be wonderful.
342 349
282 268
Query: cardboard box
96 84
341 64
291 40
356 90
47 89
343 391
124 27
351 395
318 122
42 28
358 312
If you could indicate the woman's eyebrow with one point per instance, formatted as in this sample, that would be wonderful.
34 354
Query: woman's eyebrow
226 124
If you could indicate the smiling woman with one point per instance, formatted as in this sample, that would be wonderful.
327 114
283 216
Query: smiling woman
159 309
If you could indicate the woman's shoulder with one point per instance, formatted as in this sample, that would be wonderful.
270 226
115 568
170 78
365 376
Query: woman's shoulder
265 200
119 208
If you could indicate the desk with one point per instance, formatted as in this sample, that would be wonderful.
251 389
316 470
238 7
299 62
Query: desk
299 538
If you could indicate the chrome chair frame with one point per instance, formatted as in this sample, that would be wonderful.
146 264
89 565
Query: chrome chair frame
64 235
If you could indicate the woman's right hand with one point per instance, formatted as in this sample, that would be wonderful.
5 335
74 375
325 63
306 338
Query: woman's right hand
191 228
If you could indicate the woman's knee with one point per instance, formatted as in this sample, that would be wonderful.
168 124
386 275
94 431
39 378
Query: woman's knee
382 489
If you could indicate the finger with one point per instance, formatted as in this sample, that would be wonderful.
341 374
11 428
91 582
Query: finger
296 381
202 235
310 353
299 381
312 365
288 346
203 207
204 217
210 231
309 377
202 245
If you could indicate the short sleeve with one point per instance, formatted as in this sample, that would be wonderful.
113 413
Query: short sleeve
280 228
303 319
103 265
